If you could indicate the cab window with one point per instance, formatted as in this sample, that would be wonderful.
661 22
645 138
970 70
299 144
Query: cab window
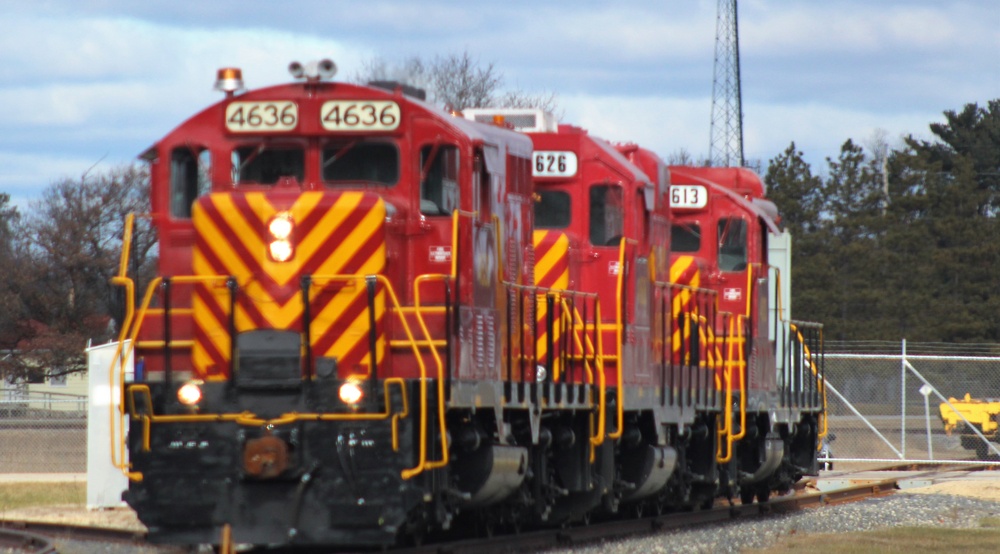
189 178
552 209
439 185
355 161
606 215
685 238
732 244
265 164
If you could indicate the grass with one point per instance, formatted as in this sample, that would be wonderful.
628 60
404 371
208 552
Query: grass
898 540
24 495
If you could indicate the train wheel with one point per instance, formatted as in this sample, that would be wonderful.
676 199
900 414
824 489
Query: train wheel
486 524
763 493
746 496
982 451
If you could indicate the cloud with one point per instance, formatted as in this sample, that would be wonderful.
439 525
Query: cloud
23 173
104 79
124 84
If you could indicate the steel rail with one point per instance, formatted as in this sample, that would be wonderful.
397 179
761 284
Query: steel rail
46 532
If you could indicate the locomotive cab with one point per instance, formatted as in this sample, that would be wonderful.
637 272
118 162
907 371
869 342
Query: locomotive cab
721 222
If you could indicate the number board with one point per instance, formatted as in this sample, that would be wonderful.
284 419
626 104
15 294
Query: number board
688 196
554 164
268 116
360 115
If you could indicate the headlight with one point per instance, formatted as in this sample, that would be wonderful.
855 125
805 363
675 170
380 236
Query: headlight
351 393
281 250
190 393
281 226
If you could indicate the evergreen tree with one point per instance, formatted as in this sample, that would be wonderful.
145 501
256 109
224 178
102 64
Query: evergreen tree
798 194
795 190
954 185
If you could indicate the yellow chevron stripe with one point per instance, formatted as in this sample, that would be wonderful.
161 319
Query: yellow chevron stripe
341 300
357 332
365 229
283 272
241 230
277 315
204 226
681 265
556 254
218 336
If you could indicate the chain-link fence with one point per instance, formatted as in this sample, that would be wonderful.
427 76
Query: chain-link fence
884 399
876 403
43 433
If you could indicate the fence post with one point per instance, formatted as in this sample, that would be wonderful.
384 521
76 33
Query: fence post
902 402
926 390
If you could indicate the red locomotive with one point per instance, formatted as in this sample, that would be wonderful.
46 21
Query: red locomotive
725 237
374 319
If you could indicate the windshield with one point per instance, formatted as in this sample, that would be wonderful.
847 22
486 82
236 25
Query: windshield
357 160
552 209
264 164
685 237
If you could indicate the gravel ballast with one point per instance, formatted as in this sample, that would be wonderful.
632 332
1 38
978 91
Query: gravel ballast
897 510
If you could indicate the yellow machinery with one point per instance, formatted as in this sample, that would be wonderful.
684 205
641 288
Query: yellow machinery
981 413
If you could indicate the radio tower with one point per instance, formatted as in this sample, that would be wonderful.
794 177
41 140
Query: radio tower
726 148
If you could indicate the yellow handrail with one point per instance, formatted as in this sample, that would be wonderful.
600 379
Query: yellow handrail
620 428
820 381
247 418
437 359
315 280
584 346
123 280
384 281
128 335
735 339
598 438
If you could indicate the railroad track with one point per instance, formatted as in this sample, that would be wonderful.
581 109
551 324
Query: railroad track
613 529
37 538
22 541
40 538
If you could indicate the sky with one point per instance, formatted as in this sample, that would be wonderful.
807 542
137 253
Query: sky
87 85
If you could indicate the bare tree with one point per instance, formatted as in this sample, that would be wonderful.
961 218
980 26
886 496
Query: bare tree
545 101
460 82
71 249
878 145
682 157
13 310
456 82
412 71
